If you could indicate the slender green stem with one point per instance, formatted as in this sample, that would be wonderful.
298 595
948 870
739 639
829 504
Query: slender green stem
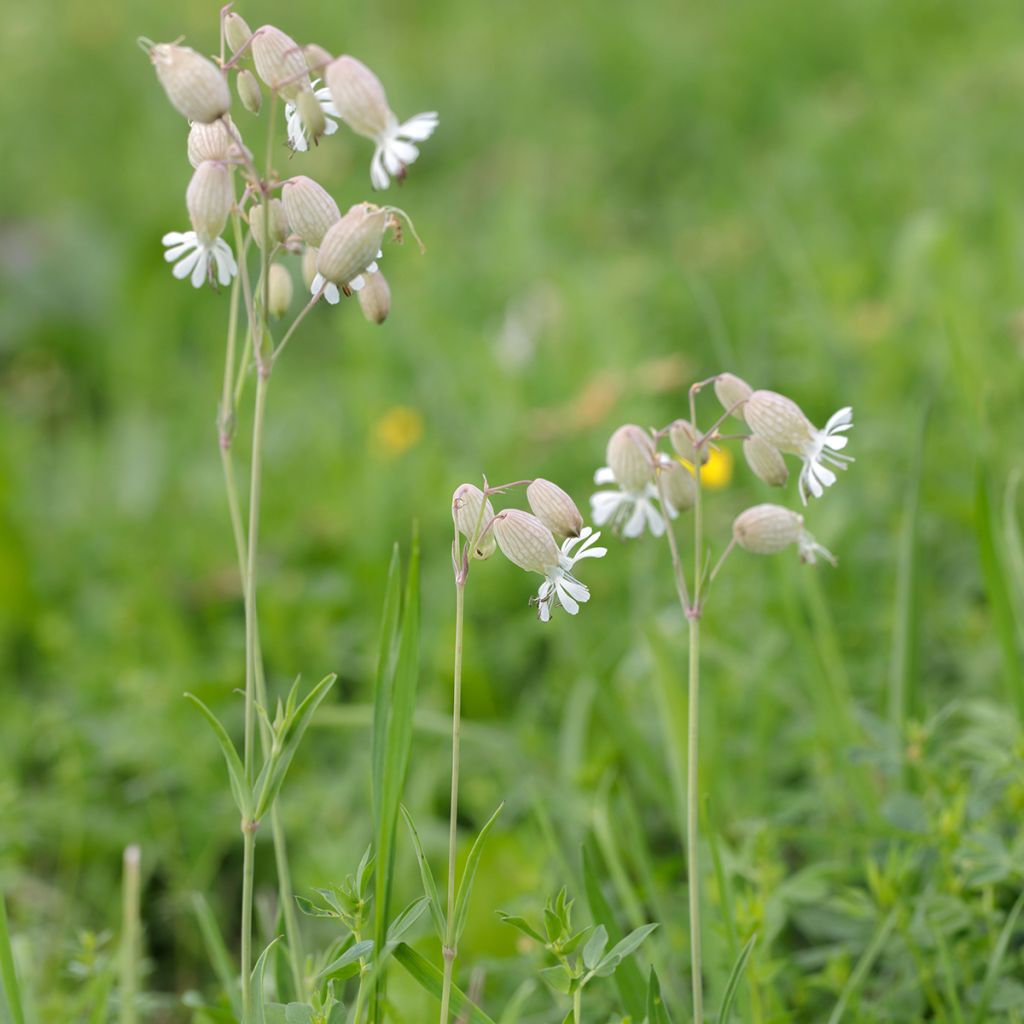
130 937
8 974
577 1006
248 870
450 951
360 999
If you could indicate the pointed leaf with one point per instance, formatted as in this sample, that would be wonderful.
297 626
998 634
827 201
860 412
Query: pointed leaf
595 947
349 959
469 875
622 949
256 998
733 983
523 925
431 980
387 646
427 877
406 919
236 772
657 1011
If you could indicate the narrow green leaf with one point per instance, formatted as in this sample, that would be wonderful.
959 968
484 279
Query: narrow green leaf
349 958
623 948
733 982
469 875
429 978
523 925
995 961
595 947
427 877
628 980
236 772
8 975
657 1011
256 999
217 951
406 919
387 646
294 732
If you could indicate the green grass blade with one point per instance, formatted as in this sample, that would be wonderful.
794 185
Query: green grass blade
733 984
657 1011
628 978
217 951
860 972
427 877
236 772
998 589
385 672
469 874
8 975
257 1003
428 977
995 961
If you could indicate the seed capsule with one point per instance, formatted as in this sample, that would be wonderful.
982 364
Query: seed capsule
209 198
779 421
472 512
216 141
249 91
525 541
309 209
236 31
195 86
554 508
684 438
631 457
280 62
278 223
765 461
359 96
730 391
352 244
767 529
679 484
375 298
281 290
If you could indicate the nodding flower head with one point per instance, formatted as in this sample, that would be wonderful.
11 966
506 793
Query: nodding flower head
679 484
633 505
472 513
236 31
765 462
375 298
195 86
685 437
310 116
781 423
360 101
209 198
309 209
554 508
352 244
216 141
525 541
731 391
769 529
280 62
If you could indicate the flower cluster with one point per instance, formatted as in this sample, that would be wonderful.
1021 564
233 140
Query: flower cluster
549 540
652 487
339 251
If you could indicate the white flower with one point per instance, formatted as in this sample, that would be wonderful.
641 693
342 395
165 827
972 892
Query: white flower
298 132
199 256
824 447
628 512
559 583
332 293
395 147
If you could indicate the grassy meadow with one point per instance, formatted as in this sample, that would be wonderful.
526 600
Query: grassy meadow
825 199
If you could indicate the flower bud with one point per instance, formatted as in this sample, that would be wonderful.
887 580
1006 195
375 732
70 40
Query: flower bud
279 62
352 244
312 114
216 141
236 31
375 298
679 485
525 541
249 91
280 290
310 211
731 390
359 96
209 198
554 508
765 461
317 59
308 266
631 457
779 421
472 512
684 437
278 223
767 529
195 86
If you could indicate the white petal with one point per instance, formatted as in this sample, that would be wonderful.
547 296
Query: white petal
173 237
635 524
378 176
565 599
604 476
420 127
184 267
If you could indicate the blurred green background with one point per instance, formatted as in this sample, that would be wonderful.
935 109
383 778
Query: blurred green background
822 198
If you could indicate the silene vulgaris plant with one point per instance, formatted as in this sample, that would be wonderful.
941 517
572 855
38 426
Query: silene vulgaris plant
255 229
655 477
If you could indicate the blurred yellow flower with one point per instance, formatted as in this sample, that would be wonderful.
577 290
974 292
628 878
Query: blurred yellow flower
717 471
398 430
